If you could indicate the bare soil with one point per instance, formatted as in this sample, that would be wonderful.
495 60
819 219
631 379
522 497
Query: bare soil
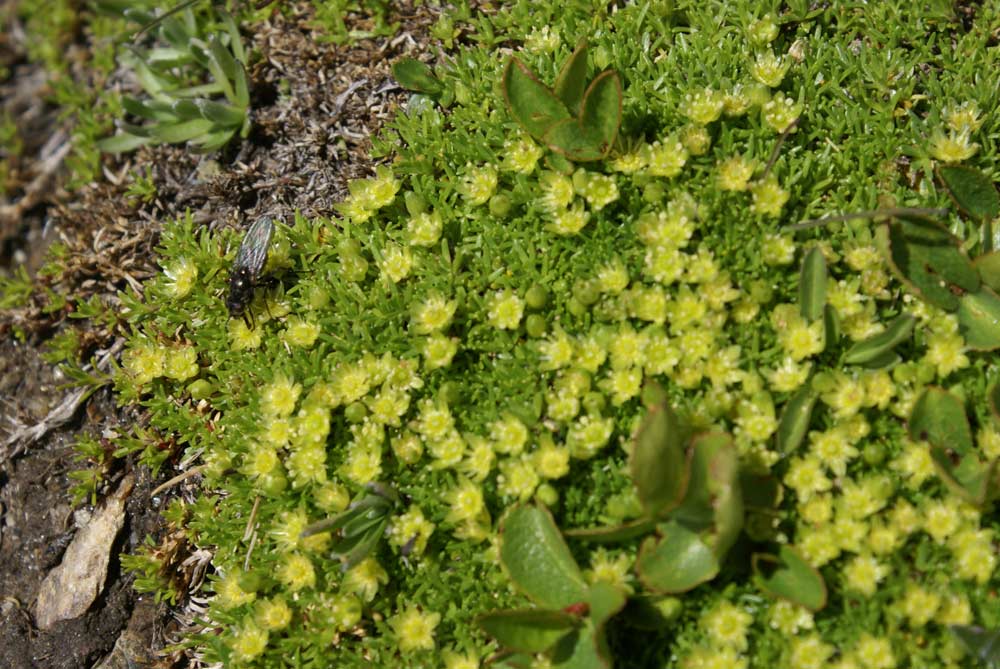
315 107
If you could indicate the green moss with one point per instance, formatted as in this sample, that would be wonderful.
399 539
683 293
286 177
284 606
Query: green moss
709 268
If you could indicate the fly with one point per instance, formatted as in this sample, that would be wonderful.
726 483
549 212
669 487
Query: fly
246 271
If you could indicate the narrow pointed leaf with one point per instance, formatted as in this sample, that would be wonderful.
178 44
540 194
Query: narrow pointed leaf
528 631
538 560
983 644
831 327
223 57
677 562
359 549
613 534
166 57
790 577
213 140
416 76
235 41
979 319
882 361
795 417
865 351
927 257
223 114
659 464
972 191
241 87
812 285
530 102
993 396
152 110
572 80
186 110
180 132
121 143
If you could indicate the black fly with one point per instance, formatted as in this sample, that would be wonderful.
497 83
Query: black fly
247 267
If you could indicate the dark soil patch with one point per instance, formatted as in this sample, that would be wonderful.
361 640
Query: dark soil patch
316 105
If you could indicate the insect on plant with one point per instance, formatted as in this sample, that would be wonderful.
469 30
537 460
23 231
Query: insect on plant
245 274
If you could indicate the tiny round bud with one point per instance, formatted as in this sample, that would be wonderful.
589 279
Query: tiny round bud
576 307
414 203
536 297
535 325
500 205
594 403
586 291
356 412
200 389
547 495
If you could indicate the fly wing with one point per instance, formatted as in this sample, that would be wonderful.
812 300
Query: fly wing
253 249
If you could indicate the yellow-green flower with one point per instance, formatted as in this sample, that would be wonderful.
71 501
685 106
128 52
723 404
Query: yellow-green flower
521 155
411 529
364 579
228 593
465 501
300 332
144 362
242 337
296 572
666 158
248 642
702 106
863 574
505 309
509 435
517 478
424 229
544 39
953 147
599 190
273 614
439 351
780 112
769 69
726 624
964 117
734 173
478 184
181 276
181 363
612 568
768 197
434 314
414 629
557 190
809 652
278 398
396 262
569 221
307 464
588 435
